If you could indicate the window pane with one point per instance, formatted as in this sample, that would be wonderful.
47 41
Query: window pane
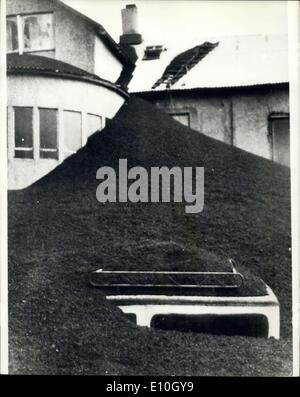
23 128
11 34
24 154
230 324
281 140
182 118
38 32
94 123
72 131
23 132
48 133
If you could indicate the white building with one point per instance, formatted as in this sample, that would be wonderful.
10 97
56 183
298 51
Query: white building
232 88
66 77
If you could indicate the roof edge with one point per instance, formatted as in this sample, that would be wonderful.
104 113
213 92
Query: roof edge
221 88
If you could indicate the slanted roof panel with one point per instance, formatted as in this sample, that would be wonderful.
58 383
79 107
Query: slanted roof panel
183 63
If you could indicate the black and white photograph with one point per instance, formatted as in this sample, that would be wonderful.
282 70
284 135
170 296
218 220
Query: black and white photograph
150 148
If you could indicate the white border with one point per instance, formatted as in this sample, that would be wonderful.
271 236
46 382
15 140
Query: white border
3 199
294 66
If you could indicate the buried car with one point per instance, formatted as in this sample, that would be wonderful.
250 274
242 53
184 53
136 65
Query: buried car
217 299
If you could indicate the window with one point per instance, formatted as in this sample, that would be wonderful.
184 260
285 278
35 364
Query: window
37 32
23 132
280 131
94 123
12 34
228 324
183 118
48 134
26 33
72 131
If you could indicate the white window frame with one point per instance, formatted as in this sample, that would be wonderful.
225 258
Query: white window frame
20 27
20 34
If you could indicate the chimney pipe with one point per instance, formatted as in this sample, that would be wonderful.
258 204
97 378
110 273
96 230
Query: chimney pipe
130 35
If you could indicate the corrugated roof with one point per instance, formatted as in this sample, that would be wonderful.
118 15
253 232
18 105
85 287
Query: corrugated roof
236 61
52 67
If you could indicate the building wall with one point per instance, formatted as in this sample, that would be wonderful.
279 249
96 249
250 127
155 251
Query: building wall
106 65
62 94
251 115
75 39
238 117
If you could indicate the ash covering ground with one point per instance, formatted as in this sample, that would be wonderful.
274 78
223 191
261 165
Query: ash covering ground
59 233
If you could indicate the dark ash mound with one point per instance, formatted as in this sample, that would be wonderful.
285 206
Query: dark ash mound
58 233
